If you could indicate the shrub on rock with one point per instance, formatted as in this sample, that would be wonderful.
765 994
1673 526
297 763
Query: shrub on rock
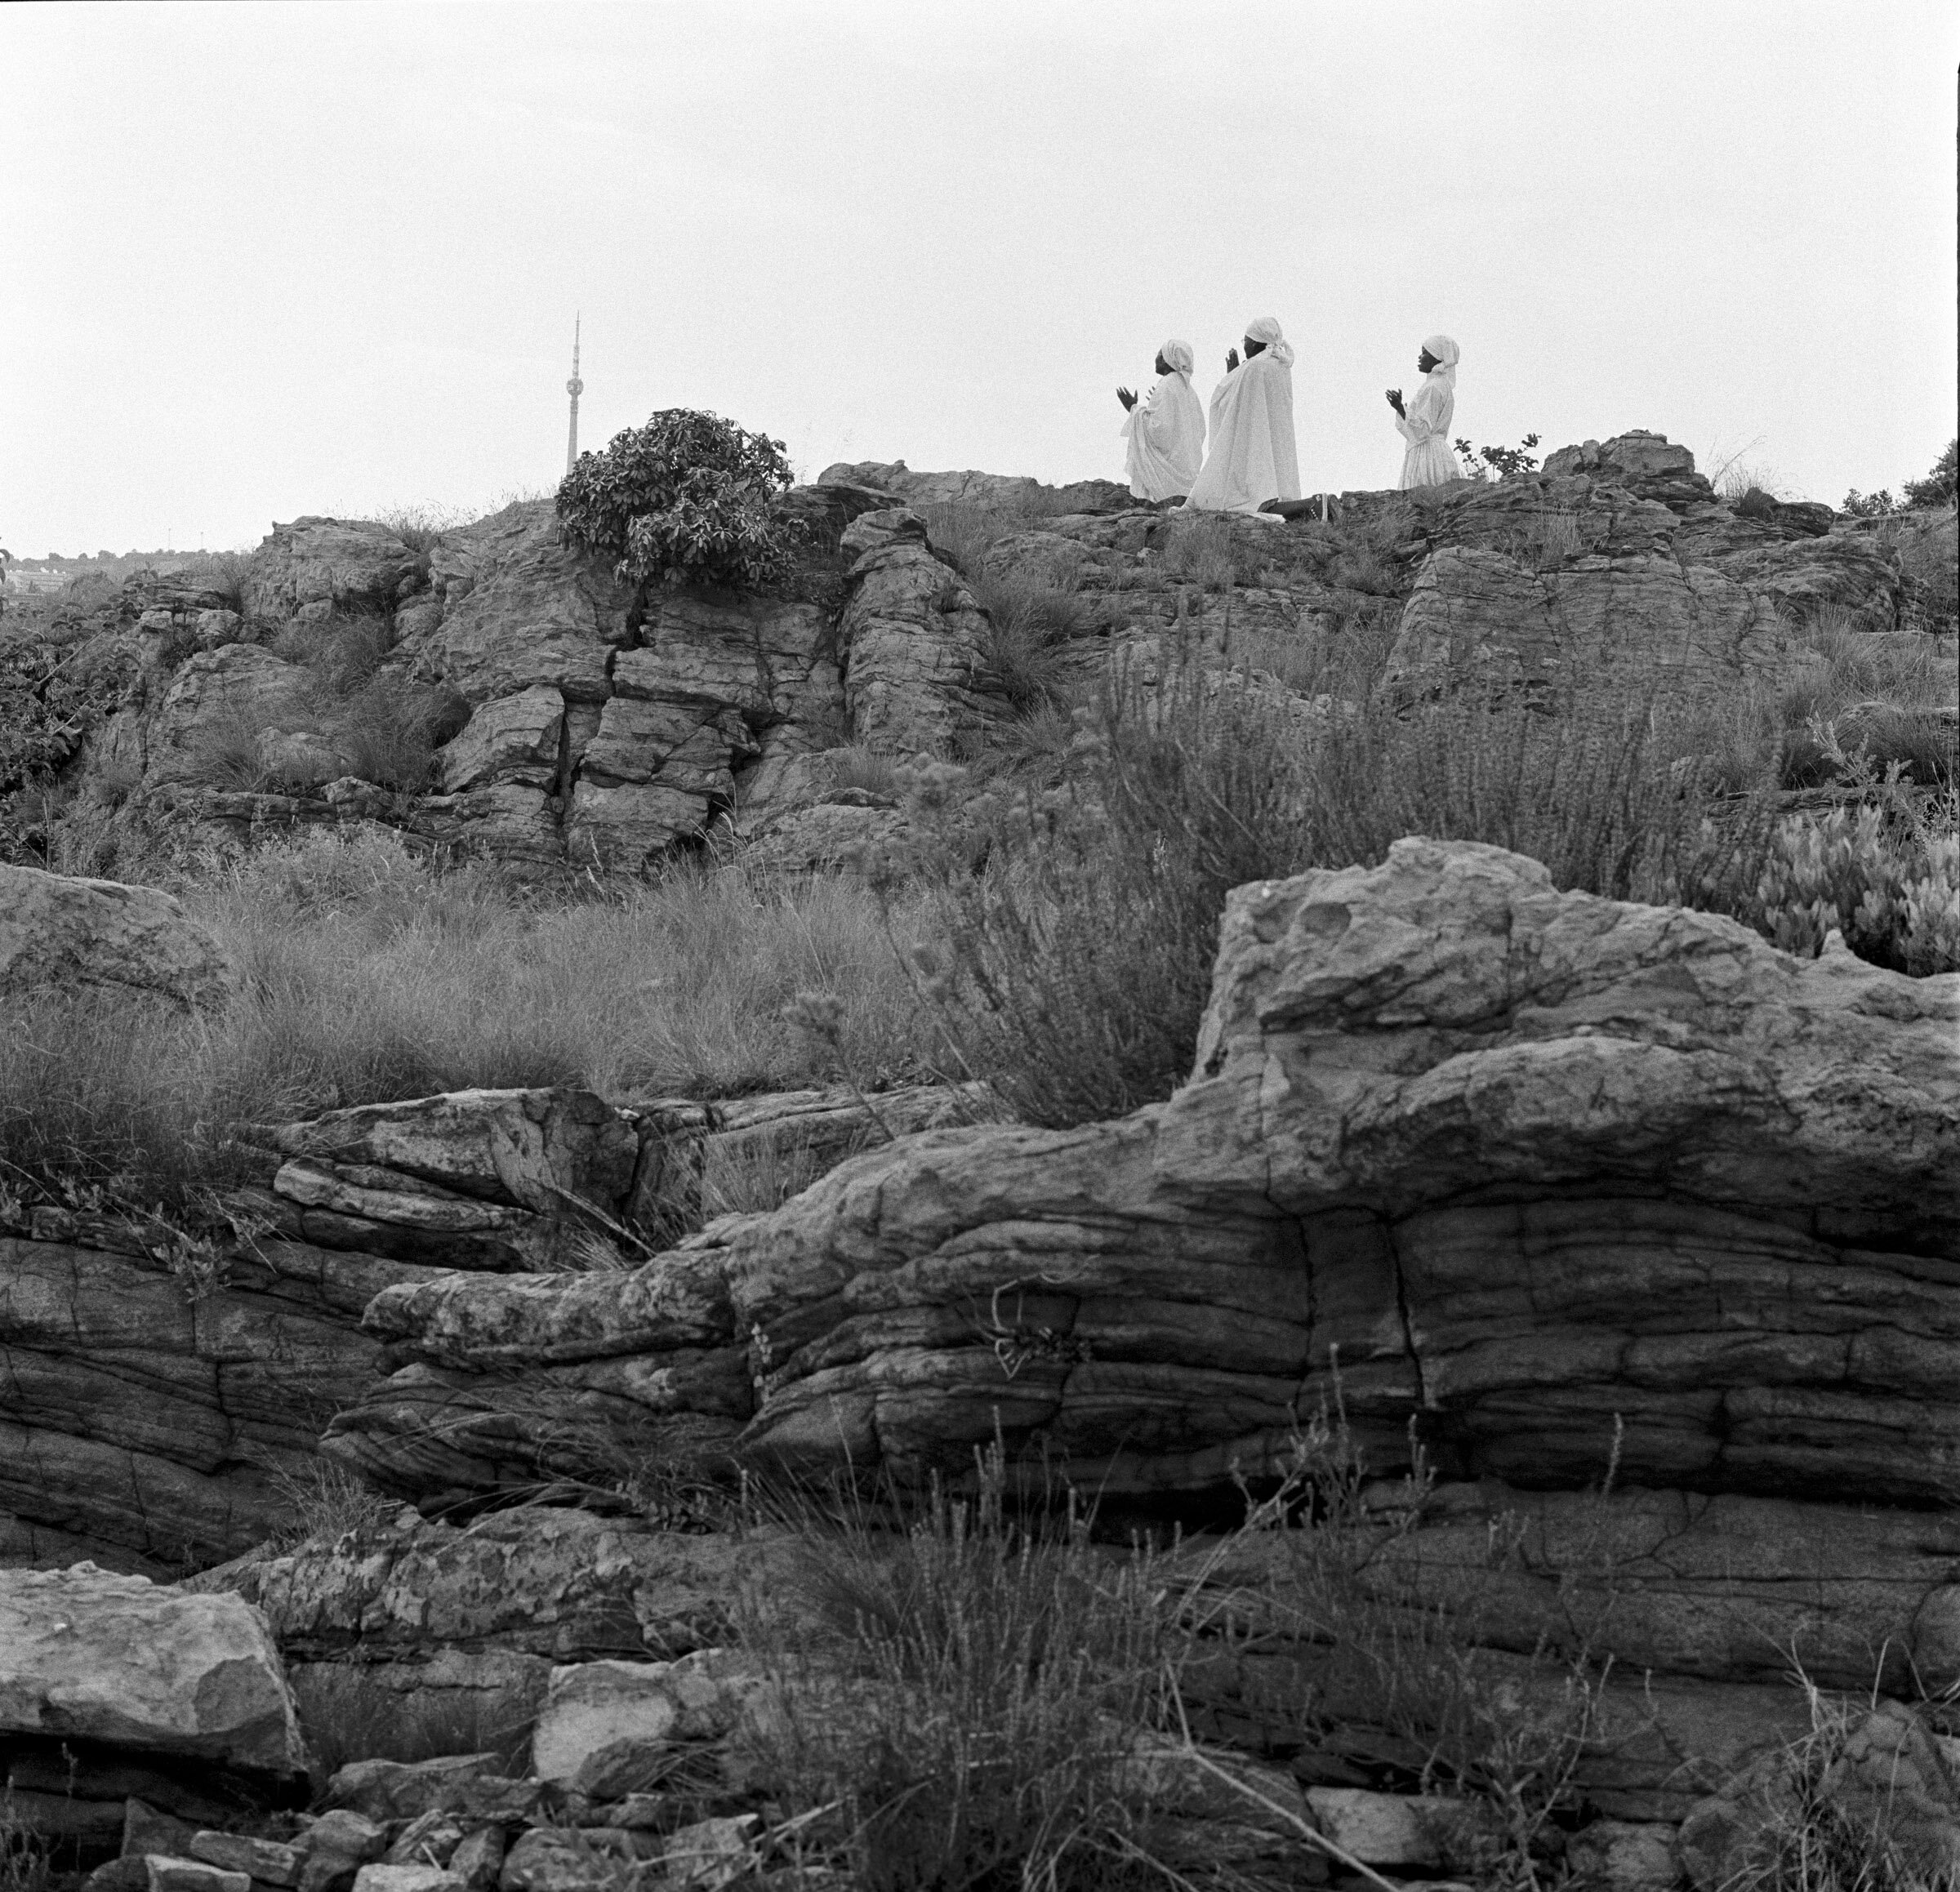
687 499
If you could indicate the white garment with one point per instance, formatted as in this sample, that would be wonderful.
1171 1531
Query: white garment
1252 458
1425 423
1166 431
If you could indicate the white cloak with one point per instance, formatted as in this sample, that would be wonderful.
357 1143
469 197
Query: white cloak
1252 458
1425 425
1166 434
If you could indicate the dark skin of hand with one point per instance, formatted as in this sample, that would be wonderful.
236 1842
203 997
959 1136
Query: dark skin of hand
1252 348
1423 363
1127 396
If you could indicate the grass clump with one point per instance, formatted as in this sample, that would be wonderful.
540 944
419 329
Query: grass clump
372 975
1072 971
957 1701
1035 605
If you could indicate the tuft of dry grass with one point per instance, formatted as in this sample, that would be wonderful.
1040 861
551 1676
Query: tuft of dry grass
1894 693
855 765
956 1701
371 976
1071 973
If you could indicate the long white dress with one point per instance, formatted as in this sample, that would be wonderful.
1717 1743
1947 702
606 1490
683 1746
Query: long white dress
1425 423
1252 457
1166 432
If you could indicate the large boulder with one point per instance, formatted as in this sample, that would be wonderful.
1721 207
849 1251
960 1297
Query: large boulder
112 1687
1641 624
318 564
58 934
554 1586
472 1179
211 726
86 1656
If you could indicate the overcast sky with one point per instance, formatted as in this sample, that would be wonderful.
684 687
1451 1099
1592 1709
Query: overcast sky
263 259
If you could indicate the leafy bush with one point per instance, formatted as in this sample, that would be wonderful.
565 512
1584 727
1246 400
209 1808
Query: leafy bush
1499 462
1892 889
685 499
1941 487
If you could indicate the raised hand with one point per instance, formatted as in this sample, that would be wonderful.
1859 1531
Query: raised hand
1127 397
1394 400
1231 359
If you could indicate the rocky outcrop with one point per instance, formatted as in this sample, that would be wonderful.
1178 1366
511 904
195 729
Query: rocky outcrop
600 728
162 1395
112 1687
1526 1159
58 934
317 565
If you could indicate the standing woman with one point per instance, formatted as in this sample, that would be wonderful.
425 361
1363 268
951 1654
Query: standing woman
1425 422
1166 428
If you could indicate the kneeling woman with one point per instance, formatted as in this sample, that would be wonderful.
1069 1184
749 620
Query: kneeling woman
1425 422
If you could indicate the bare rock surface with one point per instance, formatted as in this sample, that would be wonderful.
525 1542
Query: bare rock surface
57 934
112 1686
147 1416
517 611
919 676
539 1582
982 489
325 564
1643 621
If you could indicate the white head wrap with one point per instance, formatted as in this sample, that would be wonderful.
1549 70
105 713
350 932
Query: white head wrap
1179 357
1447 354
1267 329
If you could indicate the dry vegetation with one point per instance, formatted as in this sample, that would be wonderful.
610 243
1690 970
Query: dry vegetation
373 976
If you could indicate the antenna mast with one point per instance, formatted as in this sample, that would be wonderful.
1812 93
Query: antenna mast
574 387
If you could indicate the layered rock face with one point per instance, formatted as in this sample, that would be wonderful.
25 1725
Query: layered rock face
157 1416
1527 1165
161 1400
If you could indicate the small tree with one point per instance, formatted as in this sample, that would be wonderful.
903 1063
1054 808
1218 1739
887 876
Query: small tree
688 499
1942 485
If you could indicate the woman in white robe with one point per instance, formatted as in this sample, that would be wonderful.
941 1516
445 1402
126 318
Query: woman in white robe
1252 457
1166 428
1425 422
